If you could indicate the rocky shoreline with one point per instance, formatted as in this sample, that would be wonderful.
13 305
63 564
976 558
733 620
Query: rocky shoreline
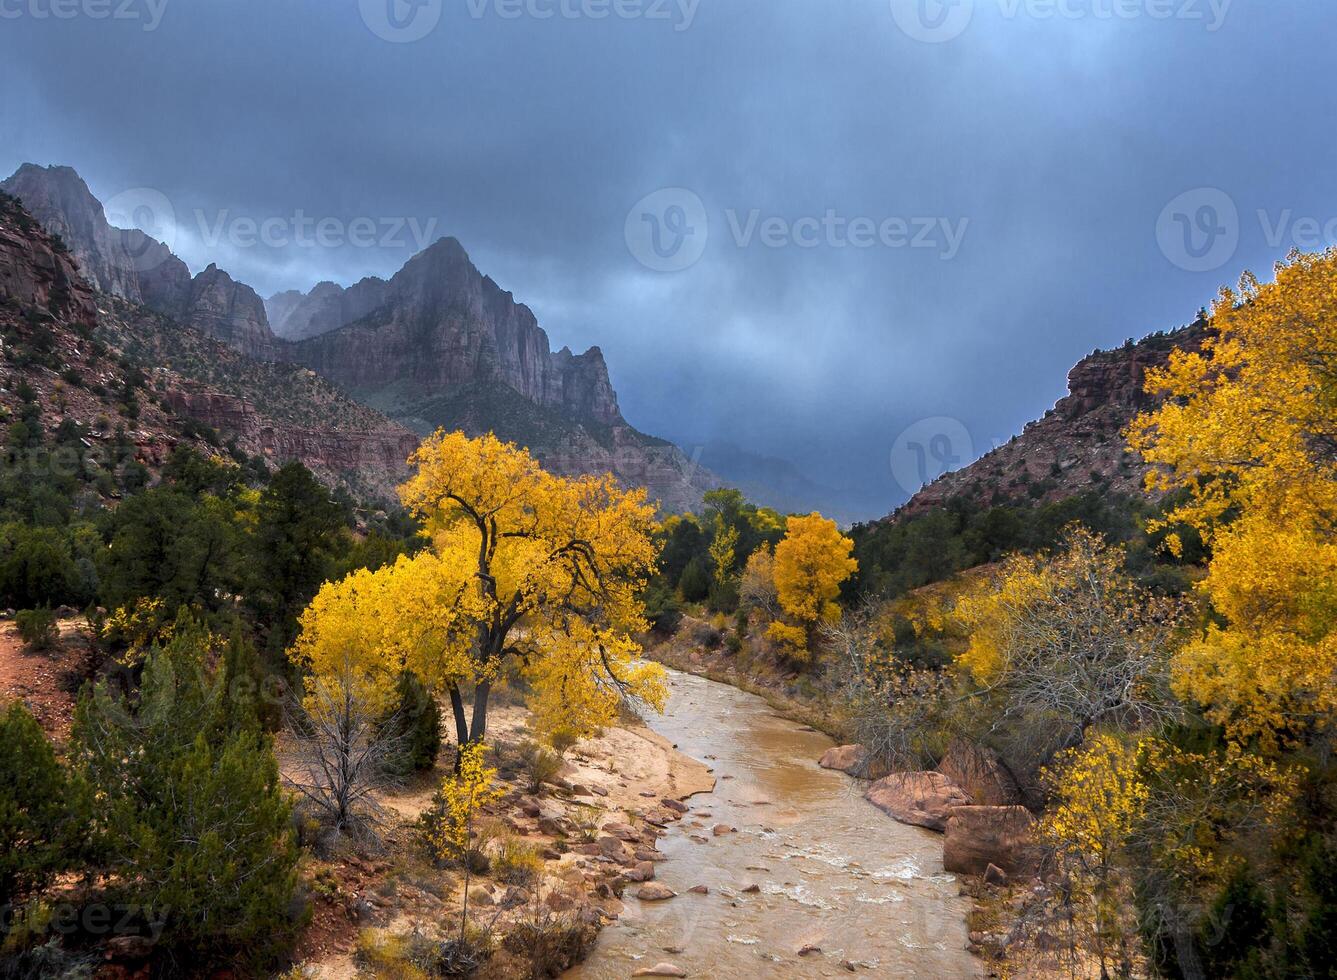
595 825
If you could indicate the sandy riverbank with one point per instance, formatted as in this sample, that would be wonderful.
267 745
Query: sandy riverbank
596 828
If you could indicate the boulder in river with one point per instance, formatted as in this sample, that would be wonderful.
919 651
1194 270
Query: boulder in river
654 891
979 771
661 970
924 799
843 757
978 836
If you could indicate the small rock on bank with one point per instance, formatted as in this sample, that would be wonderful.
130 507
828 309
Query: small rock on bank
845 758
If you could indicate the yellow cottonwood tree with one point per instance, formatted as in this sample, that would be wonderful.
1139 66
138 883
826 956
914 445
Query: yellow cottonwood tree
1100 798
366 629
810 564
722 549
553 569
1250 431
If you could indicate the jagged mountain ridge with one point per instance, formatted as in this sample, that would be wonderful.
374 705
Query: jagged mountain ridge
294 315
1078 445
138 383
440 323
128 264
415 344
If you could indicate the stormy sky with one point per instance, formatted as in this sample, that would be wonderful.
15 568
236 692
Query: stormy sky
803 226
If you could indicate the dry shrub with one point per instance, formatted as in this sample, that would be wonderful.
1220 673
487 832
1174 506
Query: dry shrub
548 942
538 764
516 861
389 956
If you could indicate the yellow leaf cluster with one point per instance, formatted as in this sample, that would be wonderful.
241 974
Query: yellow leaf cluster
554 569
722 548
810 564
1250 431
1100 797
447 825
990 613
369 627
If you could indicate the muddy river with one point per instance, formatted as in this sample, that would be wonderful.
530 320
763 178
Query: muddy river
810 864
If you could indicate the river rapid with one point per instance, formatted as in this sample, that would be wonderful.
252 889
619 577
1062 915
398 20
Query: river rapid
829 870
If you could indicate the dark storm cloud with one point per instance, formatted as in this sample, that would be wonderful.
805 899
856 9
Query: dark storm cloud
1043 143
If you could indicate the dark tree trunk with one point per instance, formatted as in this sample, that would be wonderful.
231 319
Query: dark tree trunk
461 723
478 731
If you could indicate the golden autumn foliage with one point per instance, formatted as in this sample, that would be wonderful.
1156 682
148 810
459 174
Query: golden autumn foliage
369 627
526 571
991 612
1071 635
448 824
1099 798
1250 431
757 587
1099 802
810 565
552 570
722 548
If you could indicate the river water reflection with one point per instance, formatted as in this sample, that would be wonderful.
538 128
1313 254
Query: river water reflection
830 871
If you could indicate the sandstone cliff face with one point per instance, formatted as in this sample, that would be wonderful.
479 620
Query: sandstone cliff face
1078 445
230 311
48 309
59 199
441 323
35 273
128 264
280 412
377 458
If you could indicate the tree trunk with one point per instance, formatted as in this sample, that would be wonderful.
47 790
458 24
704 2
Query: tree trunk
478 731
461 723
